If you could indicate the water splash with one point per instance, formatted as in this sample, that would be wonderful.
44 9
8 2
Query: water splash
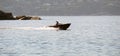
30 28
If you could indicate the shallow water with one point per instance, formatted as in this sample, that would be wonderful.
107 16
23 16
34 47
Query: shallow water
87 36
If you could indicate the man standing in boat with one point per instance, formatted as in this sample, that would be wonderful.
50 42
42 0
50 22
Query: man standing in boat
57 23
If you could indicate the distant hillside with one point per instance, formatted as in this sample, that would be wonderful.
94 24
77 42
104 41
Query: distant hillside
61 7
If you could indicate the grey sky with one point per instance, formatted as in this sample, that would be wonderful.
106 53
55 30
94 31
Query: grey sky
61 7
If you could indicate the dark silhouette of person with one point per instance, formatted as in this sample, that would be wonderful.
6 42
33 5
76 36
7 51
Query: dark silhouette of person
57 22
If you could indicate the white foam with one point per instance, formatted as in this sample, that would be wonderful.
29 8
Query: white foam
31 28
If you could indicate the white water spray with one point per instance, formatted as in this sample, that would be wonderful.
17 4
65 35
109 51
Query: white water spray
30 28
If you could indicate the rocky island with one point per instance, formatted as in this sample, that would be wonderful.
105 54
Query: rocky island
6 16
9 16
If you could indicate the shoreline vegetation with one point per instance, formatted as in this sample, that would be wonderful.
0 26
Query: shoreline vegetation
9 16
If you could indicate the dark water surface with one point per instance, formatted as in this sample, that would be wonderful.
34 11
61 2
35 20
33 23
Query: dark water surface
87 36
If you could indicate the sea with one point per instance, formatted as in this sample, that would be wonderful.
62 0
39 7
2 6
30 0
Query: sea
86 36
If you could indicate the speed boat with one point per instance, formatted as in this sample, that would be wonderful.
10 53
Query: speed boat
61 26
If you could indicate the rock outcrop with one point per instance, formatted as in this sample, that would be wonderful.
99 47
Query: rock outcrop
35 18
6 16
23 17
27 18
9 16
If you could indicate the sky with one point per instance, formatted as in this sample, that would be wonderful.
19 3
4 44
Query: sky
61 7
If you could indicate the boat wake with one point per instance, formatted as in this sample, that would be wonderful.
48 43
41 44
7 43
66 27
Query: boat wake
30 28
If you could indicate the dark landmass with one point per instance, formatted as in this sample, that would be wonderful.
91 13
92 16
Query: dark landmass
6 16
9 16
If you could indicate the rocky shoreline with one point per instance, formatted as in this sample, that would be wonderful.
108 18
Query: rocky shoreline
9 16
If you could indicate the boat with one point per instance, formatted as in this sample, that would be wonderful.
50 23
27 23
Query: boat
61 26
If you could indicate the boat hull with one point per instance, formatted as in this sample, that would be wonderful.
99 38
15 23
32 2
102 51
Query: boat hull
62 26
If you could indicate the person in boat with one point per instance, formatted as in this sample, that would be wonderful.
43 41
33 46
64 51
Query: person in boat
57 23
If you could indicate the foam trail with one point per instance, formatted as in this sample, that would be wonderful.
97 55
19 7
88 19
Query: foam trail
30 28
